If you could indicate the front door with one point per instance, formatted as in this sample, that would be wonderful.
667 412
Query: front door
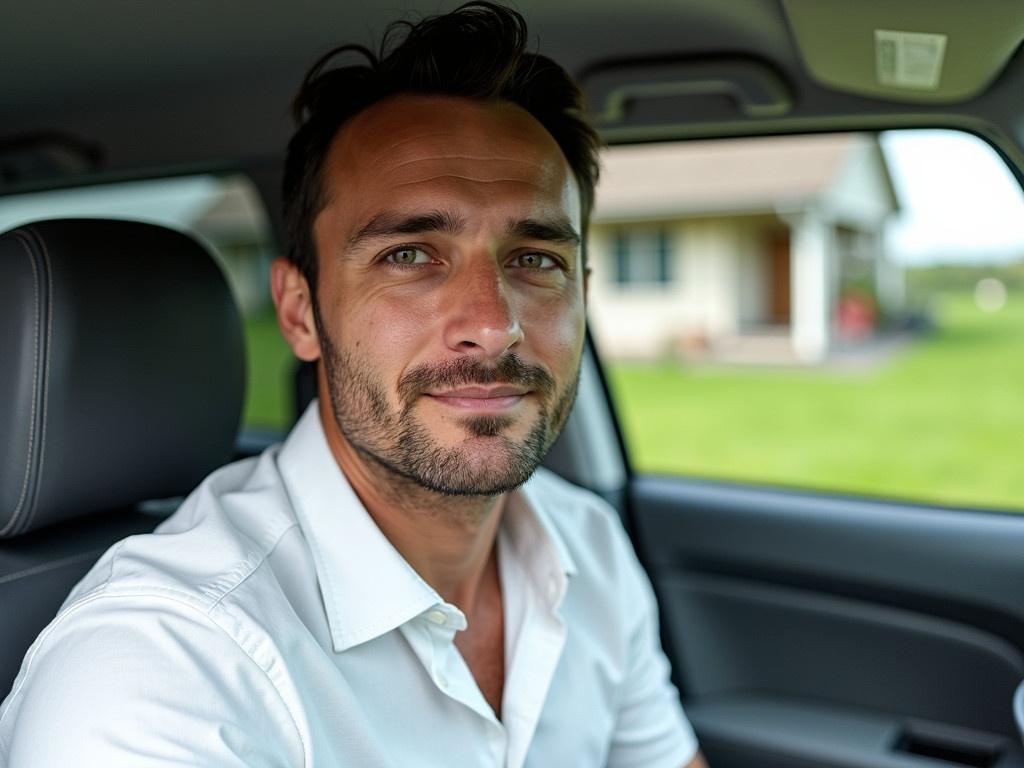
779 279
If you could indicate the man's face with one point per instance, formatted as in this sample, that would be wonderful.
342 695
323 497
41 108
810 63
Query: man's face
451 290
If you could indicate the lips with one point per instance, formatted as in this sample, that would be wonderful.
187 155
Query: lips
469 379
499 397
482 391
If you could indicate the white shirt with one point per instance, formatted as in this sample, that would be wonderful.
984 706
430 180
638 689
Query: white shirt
269 622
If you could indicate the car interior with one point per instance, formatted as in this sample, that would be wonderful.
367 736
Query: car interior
805 627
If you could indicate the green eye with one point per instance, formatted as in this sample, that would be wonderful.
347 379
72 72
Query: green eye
535 261
408 256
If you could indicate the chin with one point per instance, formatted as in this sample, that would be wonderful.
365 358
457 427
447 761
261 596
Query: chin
482 466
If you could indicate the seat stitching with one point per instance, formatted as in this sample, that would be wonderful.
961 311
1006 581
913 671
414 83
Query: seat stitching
52 565
46 375
18 510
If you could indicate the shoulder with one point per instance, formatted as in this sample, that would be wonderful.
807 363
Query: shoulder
158 627
202 578
588 528
217 538
569 505
143 679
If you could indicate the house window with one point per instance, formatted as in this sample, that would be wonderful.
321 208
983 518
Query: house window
642 256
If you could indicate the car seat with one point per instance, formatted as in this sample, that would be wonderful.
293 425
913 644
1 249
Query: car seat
121 383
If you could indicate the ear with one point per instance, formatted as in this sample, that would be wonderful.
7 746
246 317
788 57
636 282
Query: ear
294 304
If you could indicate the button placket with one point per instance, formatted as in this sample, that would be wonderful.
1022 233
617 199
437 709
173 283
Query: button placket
439 628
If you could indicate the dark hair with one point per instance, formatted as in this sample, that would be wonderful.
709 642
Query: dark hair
477 51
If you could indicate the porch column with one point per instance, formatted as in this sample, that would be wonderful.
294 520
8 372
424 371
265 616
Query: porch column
809 282
890 279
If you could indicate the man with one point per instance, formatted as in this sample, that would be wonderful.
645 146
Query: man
394 586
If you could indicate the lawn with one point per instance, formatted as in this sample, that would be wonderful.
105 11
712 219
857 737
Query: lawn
270 368
942 421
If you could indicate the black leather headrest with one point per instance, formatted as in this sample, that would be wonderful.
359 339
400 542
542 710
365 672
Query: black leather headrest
121 368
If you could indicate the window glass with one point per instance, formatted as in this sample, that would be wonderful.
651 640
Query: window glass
642 256
227 214
842 312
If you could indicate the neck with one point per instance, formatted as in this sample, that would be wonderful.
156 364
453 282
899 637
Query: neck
448 540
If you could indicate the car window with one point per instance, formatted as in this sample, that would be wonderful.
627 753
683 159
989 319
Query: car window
228 215
841 312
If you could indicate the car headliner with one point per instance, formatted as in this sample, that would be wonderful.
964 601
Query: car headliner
197 85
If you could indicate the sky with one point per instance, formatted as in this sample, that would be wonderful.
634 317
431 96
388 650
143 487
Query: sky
961 204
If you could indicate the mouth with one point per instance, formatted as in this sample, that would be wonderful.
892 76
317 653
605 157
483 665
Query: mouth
497 398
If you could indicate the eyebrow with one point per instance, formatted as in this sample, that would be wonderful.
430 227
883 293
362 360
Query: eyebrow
390 223
558 230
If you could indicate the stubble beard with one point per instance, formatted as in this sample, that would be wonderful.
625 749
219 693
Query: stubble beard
486 463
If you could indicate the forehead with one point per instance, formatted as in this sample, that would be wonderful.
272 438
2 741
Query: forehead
409 145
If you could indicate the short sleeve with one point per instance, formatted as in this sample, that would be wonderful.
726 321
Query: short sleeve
147 682
650 727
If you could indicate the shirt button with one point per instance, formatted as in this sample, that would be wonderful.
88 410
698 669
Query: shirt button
442 680
437 617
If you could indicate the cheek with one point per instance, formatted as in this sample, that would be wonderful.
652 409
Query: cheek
386 332
557 333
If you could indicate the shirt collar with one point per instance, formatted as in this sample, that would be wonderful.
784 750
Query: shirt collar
529 521
367 587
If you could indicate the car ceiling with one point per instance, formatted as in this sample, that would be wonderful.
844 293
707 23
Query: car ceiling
189 84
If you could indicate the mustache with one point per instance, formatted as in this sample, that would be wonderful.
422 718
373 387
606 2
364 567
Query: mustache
509 369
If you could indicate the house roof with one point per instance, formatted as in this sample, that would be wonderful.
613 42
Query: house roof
724 176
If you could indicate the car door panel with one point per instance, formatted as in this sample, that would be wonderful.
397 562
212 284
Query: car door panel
808 629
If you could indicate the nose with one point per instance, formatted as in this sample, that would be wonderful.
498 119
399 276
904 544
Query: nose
482 318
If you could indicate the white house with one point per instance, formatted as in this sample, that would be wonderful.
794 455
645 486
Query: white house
758 249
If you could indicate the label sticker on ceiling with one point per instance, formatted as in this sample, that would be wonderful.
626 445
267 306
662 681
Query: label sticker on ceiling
909 59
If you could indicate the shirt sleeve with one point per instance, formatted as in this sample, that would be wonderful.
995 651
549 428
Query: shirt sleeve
145 682
650 727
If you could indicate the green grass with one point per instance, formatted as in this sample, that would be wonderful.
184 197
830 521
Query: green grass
270 368
942 421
